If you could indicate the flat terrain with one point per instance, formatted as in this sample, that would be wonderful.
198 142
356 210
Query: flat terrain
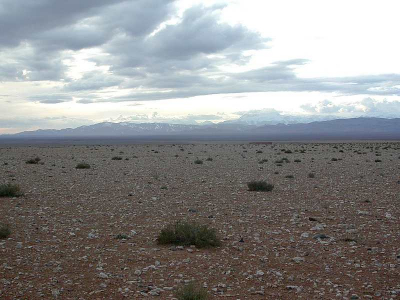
334 236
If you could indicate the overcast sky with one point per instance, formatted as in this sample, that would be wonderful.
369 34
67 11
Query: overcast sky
70 63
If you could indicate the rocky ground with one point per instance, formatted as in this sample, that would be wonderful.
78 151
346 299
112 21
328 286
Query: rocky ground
334 236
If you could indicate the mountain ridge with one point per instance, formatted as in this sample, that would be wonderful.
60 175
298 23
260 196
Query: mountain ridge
362 127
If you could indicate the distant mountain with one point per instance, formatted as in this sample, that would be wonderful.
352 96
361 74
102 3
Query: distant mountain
272 117
112 129
356 128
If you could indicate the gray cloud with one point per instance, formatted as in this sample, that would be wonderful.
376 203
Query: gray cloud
275 78
93 81
367 107
51 99
199 33
150 56
20 20
23 123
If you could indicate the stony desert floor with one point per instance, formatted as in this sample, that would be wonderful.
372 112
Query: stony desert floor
334 236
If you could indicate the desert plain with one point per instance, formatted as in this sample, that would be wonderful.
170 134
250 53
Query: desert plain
329 229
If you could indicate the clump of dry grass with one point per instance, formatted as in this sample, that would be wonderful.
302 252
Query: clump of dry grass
186 234
261 186
191 291
10 190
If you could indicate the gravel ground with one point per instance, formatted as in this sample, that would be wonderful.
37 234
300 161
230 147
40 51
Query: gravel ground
334 236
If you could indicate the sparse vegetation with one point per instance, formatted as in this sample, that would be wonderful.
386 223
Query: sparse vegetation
4 231
33 161
262 186
289 176
186 234
82 166
198 162
311 175
116 158
263 161
209 159
282 160
191 291
122 237
10 190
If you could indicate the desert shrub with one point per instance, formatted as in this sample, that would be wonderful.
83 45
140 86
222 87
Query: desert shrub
33 161
334 159
185 234
82 166
282 160
288 151
10 190
311 175
209 159
4 231
191 291
259 151
297 160
262 186
198 162
378 160
122 237
263 161
116 158
289 176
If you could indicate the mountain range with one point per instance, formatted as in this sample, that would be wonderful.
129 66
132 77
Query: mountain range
355 128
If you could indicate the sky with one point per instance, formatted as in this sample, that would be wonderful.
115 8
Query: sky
72 63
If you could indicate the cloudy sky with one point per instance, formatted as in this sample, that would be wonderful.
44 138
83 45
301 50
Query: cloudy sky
71 63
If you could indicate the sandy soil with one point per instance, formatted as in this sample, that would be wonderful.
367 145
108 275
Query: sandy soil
63 243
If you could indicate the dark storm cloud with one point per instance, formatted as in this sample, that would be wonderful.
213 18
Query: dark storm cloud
147 47
136 18
184 45
199 33
22 19
36 33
